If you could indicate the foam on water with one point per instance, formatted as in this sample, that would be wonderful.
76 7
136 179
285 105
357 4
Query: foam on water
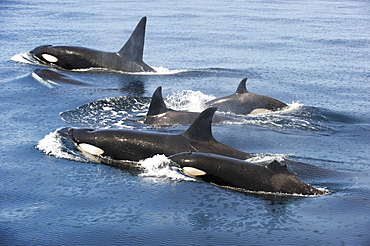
166 71
52 144
292 118
188 100
159 166
26 58
108 112
265 158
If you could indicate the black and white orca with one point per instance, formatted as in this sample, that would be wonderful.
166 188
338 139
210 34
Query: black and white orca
244 102
133 145
128 59
234 173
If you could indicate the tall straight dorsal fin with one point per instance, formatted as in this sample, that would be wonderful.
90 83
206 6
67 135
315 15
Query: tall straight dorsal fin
201 129
242 88
134 47
278 167
157 105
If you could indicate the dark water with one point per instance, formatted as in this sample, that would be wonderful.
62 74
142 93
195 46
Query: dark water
312 55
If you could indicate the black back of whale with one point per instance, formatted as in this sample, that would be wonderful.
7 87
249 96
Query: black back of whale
159 114
121 144
244 102
231 172
53 77
128 59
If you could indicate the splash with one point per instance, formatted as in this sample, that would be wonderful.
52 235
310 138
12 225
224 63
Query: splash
267 158
292 107
296 117
166 71
53 144
159 166
26 58
188 100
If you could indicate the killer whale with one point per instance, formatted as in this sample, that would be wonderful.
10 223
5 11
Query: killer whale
235 173
244 102
50 78
132 145
128 59
159 114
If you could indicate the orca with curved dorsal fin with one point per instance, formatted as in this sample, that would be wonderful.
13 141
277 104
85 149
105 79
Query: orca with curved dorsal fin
244 102
128 59
131 145
159 114
242 87
157 105
234 173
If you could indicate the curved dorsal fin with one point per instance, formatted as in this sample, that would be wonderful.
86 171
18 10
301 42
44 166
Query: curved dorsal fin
134 47
157 105
278 167
201 130
242 88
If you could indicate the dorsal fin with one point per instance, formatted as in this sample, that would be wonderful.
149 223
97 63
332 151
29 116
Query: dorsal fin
242 88
157 105
134 47
201 130
278 167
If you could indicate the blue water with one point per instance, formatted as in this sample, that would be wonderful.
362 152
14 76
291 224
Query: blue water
312 55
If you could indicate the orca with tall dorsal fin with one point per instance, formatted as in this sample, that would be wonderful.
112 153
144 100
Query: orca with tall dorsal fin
128 59
234 173
159 114
244 102
131 145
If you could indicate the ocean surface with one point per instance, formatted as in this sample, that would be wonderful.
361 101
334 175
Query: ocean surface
312 55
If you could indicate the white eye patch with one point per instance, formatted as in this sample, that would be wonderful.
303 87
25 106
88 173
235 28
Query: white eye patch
91 149
49 58
193 172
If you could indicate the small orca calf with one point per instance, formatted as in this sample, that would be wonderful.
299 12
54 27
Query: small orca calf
128 59
244 102
160 115
131 145
235 173
54 78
